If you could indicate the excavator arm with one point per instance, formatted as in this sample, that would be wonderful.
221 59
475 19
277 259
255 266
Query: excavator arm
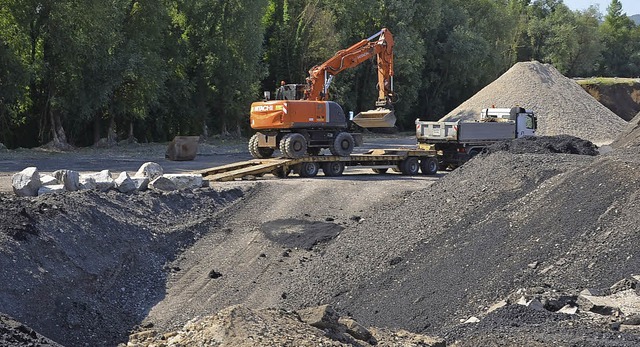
379 45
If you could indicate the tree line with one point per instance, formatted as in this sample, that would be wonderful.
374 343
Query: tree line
79 72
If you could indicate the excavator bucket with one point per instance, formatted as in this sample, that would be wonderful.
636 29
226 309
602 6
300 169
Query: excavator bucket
378 118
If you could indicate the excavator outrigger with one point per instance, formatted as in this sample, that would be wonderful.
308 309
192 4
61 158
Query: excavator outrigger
303 121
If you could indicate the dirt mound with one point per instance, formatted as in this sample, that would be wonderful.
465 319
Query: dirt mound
16 334
84 268
620 95
561 105
545 144
630 137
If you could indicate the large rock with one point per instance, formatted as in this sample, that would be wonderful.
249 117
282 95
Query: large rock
124 183
26 182
100 180
69 178
356 330
626 302
185 181
150 170
321 317
163 184
49 189
183 148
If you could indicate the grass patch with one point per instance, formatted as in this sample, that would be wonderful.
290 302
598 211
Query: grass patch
608 81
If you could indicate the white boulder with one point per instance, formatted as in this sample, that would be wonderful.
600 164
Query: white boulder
150 170
124 183
185 181
26 182
69 178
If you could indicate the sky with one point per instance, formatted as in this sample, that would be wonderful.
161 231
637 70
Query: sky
630 7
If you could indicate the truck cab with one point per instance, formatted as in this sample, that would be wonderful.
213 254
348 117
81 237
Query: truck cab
525 120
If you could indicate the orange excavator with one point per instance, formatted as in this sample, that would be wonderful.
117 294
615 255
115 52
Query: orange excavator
302 121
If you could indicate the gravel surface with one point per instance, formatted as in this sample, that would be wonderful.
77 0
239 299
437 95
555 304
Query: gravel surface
16 334
562 106
630 137
417 254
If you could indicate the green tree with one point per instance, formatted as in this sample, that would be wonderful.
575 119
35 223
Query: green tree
619 47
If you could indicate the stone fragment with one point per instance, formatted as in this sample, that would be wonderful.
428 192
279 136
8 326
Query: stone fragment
69 178
163 184
185 181
48 180
355 329
150 170
49 189
472 320
625 284
626 302
568 310
26 182
321 317
534 303
497 305
124 183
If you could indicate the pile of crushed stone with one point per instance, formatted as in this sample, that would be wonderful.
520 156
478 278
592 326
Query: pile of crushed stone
545 144
630 137
562 106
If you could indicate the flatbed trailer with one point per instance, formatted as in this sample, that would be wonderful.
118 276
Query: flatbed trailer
404 161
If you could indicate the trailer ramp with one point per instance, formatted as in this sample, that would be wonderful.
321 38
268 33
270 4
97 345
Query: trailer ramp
256 167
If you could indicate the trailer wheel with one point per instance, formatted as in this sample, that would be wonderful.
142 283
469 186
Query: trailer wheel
293 146
410 166
333 168
342 145
259 152
308 169
380 171
429 166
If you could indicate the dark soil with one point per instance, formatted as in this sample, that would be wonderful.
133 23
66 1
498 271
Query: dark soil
86 268
545 144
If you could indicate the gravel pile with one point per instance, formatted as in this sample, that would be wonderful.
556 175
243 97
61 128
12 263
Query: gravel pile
16 334
545 144
562 106
630 137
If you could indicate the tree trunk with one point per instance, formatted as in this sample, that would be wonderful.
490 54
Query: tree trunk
112 136
97 129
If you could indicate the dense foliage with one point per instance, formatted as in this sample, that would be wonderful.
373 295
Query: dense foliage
80 72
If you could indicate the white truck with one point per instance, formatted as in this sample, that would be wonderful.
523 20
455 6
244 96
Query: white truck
457 142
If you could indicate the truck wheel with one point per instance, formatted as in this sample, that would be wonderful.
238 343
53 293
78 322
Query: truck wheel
429 166
259 152
342 145
308 169
380 171
333 168
293 146
410 166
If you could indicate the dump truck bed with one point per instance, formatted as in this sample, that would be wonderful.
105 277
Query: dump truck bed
464 132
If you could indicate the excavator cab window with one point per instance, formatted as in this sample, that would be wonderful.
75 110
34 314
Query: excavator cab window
290 92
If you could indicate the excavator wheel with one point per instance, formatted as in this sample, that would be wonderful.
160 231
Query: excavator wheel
429 166
333 168
293 146
259 152
342 145
410 166
308 169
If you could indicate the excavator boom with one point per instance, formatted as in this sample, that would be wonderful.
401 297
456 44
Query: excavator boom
379 45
